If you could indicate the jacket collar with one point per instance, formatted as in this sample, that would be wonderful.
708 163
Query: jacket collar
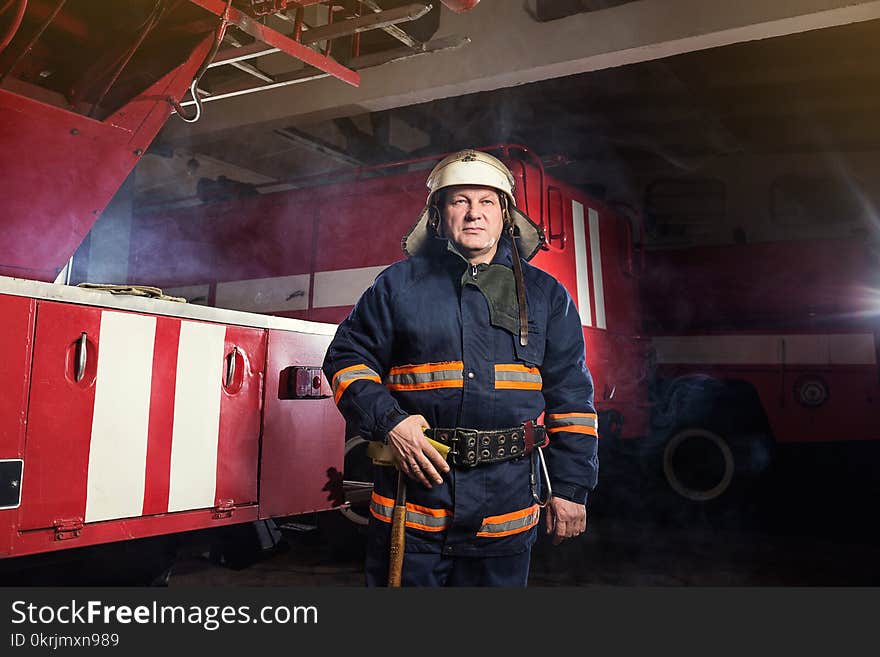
442 246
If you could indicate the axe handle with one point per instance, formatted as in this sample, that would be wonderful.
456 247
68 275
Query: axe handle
398 533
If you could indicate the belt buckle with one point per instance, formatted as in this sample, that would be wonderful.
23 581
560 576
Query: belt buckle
466 447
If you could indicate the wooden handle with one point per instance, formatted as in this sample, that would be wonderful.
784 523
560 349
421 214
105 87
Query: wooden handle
395 562
398 534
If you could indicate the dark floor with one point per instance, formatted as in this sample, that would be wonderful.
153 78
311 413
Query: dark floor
812 521
614 552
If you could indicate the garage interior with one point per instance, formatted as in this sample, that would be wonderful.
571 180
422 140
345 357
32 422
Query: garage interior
678 109
710 124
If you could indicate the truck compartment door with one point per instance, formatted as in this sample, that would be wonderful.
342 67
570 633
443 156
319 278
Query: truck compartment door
133 415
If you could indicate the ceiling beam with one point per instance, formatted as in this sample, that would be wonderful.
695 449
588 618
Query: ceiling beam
509 48
318 146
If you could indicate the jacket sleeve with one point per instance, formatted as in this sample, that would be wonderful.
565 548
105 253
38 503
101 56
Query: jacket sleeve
570 417
357 361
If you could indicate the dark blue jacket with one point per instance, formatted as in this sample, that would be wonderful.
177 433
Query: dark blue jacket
421 341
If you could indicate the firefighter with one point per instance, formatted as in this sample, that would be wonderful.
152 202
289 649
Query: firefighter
458 349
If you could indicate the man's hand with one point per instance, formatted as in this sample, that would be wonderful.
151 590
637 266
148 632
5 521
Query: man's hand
416 457
565 519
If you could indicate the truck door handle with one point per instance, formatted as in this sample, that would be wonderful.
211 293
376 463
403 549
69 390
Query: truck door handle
81 356
230 369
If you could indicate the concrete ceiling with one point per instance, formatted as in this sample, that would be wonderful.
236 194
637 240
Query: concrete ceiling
609 96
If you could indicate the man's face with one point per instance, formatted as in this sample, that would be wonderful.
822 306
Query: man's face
473 220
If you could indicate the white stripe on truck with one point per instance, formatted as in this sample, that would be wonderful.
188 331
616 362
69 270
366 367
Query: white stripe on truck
118 449
830 349
596 258
580 261
265 294
196 424
342 287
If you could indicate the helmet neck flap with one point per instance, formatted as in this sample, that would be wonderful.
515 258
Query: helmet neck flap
475 168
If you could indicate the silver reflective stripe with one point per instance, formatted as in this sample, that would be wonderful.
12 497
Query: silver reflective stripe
525 377
414 519
352 375
509 526
582 421
381 509
425 520
413 378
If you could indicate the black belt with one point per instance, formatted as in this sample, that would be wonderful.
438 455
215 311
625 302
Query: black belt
472 447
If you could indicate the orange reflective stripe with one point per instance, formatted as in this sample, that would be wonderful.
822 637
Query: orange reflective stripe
427 367
348 375
384 501
590 431
510 367
417 517
509 523
585 423
513 515
427 376
344 385
428 385
437 513
517 385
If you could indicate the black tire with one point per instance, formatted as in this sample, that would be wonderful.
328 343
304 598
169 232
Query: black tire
698 464
701 475
709 446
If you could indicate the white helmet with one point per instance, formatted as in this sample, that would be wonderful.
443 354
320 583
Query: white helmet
470 167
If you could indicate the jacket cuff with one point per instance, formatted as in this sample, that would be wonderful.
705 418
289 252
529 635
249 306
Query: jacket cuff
570 492
387 421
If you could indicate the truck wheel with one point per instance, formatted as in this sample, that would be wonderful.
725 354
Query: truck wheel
698 464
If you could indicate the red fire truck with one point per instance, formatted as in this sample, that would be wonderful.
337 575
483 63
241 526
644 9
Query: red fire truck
704 358
761 344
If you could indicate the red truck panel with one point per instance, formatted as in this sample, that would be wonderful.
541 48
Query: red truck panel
16 335
775 314
364 230
56 458
849 414
748 286
616 355
303 439
240 405
82 161
157 423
